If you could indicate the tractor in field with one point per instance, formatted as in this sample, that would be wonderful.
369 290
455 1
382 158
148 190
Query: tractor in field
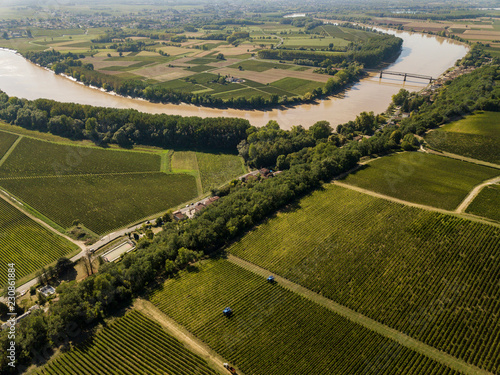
229 368
227 312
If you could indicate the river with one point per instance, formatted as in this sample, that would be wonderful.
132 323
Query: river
421 54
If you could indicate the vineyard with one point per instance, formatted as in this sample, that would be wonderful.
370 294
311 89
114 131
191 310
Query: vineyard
422 178
429 275
274 331
487 203
6 141
33 157
132 344
103 203
476 136
212 169
26 243
217 169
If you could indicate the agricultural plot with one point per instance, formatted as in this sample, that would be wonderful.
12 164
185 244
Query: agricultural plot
429 275
217 169
487 203
184 161
103 202
259 66
422 178
476 136
274 331
297 86
27 244
132 344
33 157
6 142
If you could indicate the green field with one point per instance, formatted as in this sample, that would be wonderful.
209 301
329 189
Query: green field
132 344
476 136
317 42
33 157
217 169
27 244
103 202
107 188
296 85
212 170
260 66
429 275
6 141
487 203
184 161
274 331
422 178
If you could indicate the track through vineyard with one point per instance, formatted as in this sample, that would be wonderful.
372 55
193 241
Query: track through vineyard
132 344
429 275
275 331
26 243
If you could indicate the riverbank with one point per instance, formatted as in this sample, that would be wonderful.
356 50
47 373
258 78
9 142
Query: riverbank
423 54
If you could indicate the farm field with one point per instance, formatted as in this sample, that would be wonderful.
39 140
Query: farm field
274 331
296 85
476 136
27 244
33 157
130 344
212 169
103 202
429 275
487 203
422 178
217 169
107 188
6 141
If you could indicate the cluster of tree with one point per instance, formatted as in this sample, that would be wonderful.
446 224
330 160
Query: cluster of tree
237 35
477 56
463 95
213 36
46 58
370 53
123 126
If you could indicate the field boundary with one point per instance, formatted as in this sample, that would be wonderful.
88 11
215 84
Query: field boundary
417 205
429 150
410 343
10 150
178 331
474 193
199 185
27 281
165 161
76 175
41 222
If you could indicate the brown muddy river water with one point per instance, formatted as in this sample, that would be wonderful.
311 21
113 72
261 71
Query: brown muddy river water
421 54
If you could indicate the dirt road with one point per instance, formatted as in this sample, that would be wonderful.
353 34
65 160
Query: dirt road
180 333
363 320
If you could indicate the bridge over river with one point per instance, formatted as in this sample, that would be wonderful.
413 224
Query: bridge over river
403 74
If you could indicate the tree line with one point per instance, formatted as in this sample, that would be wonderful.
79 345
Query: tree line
370 53
123 126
